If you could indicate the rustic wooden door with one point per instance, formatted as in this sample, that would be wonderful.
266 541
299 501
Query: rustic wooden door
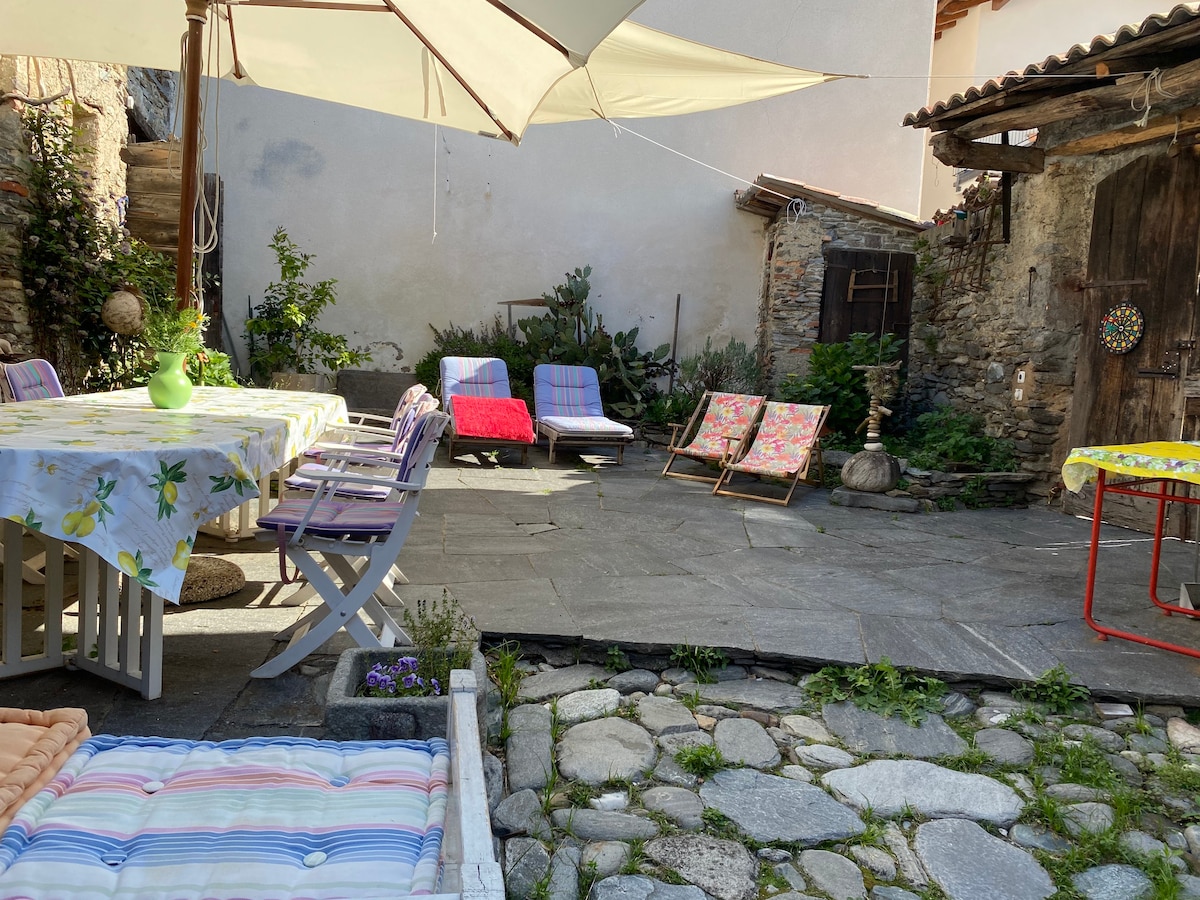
866 291
1144 252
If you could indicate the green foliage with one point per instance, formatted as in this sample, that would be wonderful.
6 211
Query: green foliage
505 672
879 687
702 760
1055 689
616 660
674 408
443 637
71 260
174 330
946 438
282 335
212 368
832 380
700 661
733 368
491 340
570 333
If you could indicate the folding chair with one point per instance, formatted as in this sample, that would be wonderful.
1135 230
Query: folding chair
488 414
566 402
368 428
727 417
322 535
787 439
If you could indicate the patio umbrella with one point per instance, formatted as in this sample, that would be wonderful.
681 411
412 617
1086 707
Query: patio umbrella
485 66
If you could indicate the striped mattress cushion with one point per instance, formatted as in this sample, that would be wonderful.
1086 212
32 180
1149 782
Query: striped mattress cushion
255 818
588 425
302 479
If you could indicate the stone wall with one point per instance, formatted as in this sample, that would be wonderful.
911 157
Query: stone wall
100 111
789 318
970 347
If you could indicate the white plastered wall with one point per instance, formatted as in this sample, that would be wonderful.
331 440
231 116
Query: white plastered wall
989 43
358 190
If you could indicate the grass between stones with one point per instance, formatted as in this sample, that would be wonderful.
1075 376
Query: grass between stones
1150 793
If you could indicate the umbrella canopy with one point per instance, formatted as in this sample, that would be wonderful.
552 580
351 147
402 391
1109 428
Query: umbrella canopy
476 65
484 66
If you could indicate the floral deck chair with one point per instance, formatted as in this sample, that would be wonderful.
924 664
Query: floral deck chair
783 447
723 431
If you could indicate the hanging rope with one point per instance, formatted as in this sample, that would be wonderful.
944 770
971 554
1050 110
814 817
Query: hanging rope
1151 85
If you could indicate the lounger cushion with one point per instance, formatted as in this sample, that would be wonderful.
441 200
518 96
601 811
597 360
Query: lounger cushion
587 425
500 418
255 818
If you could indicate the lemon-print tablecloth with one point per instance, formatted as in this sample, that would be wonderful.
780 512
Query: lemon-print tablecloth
1157 459
135 483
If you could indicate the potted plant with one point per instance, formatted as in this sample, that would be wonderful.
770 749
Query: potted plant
282 333
173 334
403 692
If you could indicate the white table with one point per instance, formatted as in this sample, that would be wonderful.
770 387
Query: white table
129 486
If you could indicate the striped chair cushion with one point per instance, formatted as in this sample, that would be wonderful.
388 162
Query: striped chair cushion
33 379
473 377
256 818
334 517
569 391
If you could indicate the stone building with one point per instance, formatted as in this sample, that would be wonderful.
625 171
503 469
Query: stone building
109 105
832 266
1063 305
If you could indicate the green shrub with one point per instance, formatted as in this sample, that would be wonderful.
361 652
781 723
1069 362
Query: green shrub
946 438
490 340
733 368
571 334
833 382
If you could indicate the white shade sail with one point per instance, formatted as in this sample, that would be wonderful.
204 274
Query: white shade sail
476 65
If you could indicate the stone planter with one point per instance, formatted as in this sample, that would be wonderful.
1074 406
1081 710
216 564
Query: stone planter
351 718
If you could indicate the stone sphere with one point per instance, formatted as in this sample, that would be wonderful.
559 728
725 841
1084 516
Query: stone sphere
873 471
123 312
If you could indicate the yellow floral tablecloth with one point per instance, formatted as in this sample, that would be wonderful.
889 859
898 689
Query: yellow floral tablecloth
1157 459
134 483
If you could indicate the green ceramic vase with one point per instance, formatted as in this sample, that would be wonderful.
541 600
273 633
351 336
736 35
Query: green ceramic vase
169 387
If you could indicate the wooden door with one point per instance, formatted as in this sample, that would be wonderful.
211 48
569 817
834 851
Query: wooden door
866 291
1145 237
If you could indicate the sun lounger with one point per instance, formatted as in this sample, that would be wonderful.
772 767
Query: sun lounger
483 412
569 412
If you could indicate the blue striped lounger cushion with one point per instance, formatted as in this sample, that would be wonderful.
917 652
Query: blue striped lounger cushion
257 818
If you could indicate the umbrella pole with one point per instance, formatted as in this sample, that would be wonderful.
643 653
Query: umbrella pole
197 16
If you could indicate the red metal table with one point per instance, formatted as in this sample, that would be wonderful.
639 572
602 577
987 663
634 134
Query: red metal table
1158 471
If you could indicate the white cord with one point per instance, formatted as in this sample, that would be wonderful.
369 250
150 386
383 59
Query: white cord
435 181
1153 83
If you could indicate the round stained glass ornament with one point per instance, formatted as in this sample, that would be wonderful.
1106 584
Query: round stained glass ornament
1121 328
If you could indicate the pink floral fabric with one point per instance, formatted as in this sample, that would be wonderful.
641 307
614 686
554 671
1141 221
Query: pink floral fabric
727 416
785 440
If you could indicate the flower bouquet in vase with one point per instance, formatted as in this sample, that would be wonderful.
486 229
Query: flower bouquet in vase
172 333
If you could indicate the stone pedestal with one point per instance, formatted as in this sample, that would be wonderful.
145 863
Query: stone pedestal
872 471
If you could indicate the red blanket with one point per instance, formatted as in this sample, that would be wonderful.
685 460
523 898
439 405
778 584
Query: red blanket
502 418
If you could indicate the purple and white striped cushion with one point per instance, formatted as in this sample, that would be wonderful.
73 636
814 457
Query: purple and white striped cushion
568 391
473 376
334 517
33 379
302 480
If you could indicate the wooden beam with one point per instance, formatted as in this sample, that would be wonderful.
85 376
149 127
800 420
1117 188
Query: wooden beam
998 5
954 151
1157 129
1178 81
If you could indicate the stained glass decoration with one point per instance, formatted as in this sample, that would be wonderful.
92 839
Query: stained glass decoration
1121 328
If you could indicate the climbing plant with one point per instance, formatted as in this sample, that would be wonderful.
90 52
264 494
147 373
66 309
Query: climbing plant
71 260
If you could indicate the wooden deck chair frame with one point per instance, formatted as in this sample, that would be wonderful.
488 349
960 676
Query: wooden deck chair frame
677 447
351 594
722 485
